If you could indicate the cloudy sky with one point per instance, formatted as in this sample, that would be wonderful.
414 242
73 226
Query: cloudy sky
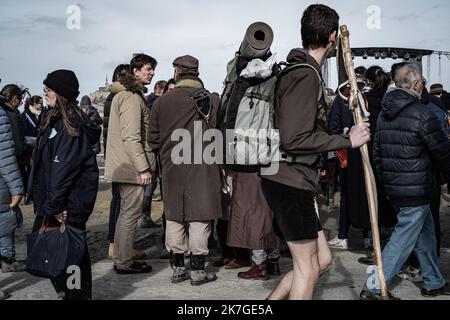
35 39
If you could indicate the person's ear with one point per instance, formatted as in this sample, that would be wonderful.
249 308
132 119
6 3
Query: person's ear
333 37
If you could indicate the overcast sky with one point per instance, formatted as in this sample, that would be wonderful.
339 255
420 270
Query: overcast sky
34 38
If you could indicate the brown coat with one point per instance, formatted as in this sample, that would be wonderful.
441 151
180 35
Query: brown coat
128 153
192 192
250 223
295 117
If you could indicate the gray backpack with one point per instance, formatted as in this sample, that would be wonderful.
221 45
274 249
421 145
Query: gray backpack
252 141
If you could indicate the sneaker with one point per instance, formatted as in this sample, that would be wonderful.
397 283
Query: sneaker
367 295
337 243
444 291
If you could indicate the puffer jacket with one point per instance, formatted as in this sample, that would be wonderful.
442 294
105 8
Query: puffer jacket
409 143
10 179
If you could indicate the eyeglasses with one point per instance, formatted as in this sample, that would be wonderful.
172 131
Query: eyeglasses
47 90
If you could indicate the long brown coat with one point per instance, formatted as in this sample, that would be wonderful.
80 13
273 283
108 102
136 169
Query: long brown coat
191 191
250 223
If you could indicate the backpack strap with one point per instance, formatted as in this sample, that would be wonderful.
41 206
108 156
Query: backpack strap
293 66
203 104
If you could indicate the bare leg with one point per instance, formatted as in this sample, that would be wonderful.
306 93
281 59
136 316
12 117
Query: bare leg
282 290
306 269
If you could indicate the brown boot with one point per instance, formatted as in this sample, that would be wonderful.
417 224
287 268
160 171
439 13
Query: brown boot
257 272
273 267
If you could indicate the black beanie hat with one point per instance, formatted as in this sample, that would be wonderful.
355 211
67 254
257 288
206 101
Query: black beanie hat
64 83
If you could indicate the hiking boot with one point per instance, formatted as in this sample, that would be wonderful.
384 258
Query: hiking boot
336 243
179 272
11 265
198 274
444 291
412 274
136 267
367 295
4 295
273 267
257 272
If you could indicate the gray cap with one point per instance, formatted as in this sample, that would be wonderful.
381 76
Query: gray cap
188 63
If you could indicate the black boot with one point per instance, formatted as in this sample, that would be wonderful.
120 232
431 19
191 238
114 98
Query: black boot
198 274
179 272
146 214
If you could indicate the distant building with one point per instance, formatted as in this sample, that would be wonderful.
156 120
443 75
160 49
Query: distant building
98 97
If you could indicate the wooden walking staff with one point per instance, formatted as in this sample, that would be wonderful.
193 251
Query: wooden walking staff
360 115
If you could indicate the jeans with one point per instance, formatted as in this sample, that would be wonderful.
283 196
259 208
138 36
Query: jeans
7 246
259 256
413 232
150 189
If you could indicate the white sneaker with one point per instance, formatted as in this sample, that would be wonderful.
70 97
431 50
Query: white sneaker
366 243
337 243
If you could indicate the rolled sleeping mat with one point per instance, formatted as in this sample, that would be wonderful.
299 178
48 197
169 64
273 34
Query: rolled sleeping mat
257 40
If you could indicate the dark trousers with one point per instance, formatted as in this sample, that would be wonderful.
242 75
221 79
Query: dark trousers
114 211
240 254
60 283
344 217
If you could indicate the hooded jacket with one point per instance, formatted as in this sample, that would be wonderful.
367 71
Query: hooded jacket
295 117
65 171
409 143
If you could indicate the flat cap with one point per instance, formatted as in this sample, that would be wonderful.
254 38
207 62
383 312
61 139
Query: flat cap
186 62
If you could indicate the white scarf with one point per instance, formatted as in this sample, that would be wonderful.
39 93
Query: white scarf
35 111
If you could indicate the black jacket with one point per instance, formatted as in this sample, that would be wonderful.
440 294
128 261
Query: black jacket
65 172
409 143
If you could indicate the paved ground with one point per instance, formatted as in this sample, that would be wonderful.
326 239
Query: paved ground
343 282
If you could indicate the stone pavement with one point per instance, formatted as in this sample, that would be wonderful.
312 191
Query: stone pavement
343 282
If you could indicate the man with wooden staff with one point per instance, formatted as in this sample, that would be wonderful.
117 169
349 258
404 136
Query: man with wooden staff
300 117
409 143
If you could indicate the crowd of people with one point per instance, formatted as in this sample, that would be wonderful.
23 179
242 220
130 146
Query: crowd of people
48 157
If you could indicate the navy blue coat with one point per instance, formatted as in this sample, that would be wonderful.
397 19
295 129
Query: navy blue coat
409 143
65 171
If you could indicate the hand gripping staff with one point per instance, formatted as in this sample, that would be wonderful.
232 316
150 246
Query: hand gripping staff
360 115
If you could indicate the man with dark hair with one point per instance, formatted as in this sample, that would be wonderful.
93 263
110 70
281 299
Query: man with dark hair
191 189
129 158
301 120
409 143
